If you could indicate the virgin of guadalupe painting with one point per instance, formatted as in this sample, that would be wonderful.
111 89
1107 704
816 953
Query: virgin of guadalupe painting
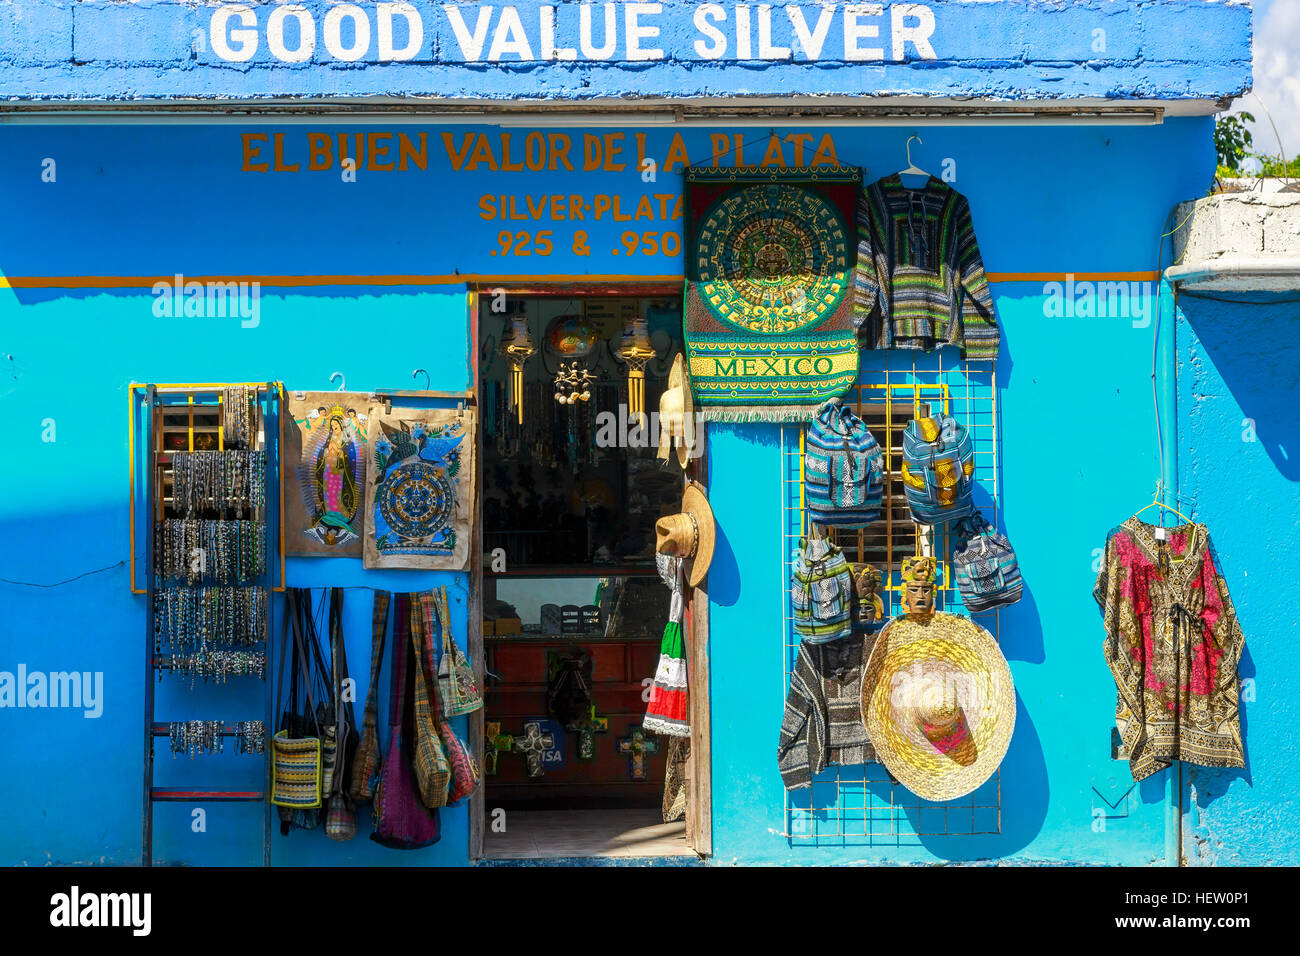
420 494
326 447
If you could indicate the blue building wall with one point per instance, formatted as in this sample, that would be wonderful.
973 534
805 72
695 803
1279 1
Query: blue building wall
1011 50
147 202
1239 472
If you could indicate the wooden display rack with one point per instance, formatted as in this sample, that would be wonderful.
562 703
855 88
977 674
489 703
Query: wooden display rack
189 417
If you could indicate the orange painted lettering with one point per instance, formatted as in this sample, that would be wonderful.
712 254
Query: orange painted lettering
320 153
677 154
251 153
378 152
560 145
457 156
406 151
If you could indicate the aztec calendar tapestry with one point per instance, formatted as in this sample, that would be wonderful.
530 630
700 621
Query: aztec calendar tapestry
420 496
768 309
325 450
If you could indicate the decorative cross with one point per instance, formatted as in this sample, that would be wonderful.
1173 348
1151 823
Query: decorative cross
533 745
587 728
495 744
636 745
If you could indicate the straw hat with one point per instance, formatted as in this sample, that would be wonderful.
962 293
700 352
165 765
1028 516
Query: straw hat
689 534
677 414
938 704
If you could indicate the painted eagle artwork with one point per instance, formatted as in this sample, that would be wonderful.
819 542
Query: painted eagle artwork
332 474
418 479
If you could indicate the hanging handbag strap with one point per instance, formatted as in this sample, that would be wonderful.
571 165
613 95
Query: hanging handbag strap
339 660
311 642
439 613
401 648
379 625
433 618
301 660
284 652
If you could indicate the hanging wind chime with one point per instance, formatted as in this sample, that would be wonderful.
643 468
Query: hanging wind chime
573 384
635 350
518 347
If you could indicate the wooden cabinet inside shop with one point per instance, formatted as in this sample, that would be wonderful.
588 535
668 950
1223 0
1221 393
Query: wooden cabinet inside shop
613 659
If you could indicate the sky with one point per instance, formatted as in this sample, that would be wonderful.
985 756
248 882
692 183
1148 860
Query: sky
1277 76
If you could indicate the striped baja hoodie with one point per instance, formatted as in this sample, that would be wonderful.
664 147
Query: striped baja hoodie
919 282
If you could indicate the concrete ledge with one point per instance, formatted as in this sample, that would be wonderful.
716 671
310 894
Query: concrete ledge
1243 241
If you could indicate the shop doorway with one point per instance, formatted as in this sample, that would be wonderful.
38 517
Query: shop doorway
572 607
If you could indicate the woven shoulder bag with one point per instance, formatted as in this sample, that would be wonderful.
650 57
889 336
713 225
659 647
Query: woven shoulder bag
457 689
295 758
366 762
432 771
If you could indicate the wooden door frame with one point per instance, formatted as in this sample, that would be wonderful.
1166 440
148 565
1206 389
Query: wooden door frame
700 794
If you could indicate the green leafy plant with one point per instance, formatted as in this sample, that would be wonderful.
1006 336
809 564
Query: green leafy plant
1232 141
1273 167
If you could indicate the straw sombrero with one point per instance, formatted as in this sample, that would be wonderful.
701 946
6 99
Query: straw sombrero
689 534
677 414
938 704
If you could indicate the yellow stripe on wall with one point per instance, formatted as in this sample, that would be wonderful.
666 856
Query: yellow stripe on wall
300 282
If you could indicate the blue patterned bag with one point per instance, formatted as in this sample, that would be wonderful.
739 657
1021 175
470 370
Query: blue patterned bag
843 470
938 461
985 568
821 592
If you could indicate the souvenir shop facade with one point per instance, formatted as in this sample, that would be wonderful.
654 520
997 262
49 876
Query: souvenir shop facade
337 249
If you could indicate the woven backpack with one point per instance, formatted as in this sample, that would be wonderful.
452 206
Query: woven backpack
985 568
938 461
843 470
821 592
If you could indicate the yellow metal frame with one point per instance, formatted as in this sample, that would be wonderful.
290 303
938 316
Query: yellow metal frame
918 391
863 806
194 388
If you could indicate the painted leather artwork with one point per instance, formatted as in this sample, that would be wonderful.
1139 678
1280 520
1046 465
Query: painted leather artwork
1172 645
326 448
420 496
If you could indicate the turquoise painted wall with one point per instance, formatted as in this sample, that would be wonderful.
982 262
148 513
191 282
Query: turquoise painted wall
155 201
1239 472
70 357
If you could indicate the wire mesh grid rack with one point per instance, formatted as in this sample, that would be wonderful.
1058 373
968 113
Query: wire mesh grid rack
863 804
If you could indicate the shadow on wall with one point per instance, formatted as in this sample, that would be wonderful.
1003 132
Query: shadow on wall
724 570
1260 374
1023 803
1019 629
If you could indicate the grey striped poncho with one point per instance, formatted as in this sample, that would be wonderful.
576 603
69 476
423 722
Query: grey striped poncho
823 724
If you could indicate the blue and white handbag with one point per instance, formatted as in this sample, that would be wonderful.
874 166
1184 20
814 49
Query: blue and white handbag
843 470
938 462
985 568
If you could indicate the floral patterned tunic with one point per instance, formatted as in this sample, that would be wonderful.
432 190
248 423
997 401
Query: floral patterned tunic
1172 645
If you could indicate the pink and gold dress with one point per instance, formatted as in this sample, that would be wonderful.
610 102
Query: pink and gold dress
1172 645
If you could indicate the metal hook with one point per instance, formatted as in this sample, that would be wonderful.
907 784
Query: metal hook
343 382
420 371
910 165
